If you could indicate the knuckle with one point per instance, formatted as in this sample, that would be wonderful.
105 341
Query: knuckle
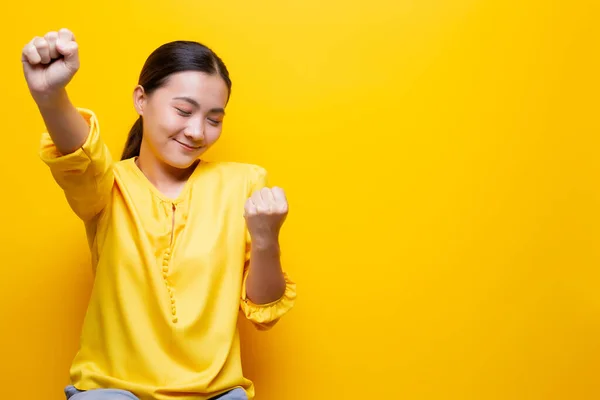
30 51
67 33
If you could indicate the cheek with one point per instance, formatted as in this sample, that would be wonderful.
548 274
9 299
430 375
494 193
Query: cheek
213 134
164 127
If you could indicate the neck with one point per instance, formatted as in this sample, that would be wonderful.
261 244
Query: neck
167 179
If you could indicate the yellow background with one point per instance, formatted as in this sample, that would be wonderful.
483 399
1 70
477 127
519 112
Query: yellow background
440 159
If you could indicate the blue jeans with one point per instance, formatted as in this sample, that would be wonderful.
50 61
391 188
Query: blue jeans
115 394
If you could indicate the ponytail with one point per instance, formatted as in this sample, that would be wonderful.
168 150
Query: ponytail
134 140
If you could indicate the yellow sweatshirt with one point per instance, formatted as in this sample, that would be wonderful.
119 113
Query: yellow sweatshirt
169 274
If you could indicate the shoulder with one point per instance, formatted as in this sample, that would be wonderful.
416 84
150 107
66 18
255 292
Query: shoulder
238 169
124 166
246 176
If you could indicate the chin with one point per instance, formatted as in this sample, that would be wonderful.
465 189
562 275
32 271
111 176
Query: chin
180 157
182 160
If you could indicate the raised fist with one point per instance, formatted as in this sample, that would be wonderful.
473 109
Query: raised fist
50 62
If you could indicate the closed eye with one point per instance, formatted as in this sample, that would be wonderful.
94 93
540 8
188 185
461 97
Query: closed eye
183 112
214 122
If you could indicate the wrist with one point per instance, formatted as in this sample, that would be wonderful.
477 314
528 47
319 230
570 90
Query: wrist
52 101
264 242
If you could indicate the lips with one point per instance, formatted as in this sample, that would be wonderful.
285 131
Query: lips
187 146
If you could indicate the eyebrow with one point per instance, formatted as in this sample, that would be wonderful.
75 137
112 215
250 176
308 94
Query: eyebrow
196 104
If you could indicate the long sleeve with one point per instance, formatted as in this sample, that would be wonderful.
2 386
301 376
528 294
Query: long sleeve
264 316
86 175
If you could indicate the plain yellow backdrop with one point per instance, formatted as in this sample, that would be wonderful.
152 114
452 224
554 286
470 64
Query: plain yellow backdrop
440 158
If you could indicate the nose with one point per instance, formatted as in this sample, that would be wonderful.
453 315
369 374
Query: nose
195 131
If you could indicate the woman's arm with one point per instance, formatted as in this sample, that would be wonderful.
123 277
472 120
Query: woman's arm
78 159
65 124
265 283
49 64
266 210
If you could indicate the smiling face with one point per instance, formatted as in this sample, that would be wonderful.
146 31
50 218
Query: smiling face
183 118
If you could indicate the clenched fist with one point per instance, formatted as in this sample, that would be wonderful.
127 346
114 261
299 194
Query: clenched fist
265 212
50 62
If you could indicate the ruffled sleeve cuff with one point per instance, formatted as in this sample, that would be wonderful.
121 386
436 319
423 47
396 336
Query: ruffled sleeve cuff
265 316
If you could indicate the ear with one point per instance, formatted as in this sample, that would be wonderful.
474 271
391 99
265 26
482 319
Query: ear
139 99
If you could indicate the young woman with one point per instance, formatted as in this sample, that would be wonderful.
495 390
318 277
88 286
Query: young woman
178 244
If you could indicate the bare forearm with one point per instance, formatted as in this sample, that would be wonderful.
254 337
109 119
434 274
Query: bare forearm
265 282
67 128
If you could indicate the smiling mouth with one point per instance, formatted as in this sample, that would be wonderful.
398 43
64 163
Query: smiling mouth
188 146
